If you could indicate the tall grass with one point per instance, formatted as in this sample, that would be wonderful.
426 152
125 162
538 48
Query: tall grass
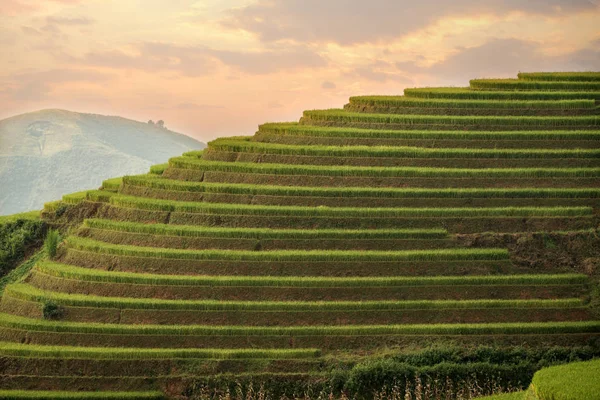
338 115
289 255
513 328
522 84
349 212
94 275
112 184
466 93
264 233
295 129
318 170
402 101
271 190
30 293
244 146
111 353
51 243
560 76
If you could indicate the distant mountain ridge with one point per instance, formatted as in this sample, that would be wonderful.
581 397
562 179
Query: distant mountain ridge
48 153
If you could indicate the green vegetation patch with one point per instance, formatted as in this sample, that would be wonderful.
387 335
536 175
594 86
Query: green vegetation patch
19 234
30 293
59 394
264 233
94 275
384 192
295 129
16 322
245 146
354 212
466 93
339 115
402 101
112 184
41 351
568 382
318 170
523 84
158 169
560 76
289 255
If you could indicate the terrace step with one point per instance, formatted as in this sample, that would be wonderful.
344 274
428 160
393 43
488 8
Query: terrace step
341 118
294 133
92 259
339 197
386 156
169 189
466 93
28 301
74 280
525 84
84 395
328 338
408 105
81 366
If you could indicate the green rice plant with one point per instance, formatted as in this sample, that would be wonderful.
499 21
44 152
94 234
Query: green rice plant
158 169
60 394
568 382
560 76
354 212
466 93
339 115
112 185
385 192
74 198
295 129
51 243
402 101
522 84
244 146
502 328
326 170
264 233
94 275
111 353
289 255
30 293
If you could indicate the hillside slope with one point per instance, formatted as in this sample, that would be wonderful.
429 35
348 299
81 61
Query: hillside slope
440 244
48 153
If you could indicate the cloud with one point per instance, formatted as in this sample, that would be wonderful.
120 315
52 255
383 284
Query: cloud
200 60
37 85
328 85
356 21
505 58
78 21
16 7
197 107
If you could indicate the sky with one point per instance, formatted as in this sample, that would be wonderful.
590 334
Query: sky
221 67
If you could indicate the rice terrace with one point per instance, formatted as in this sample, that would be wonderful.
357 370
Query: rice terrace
442 244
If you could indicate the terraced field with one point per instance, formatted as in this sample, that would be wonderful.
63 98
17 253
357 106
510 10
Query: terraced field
353 233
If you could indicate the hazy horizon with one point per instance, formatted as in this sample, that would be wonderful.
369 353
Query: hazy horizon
217 68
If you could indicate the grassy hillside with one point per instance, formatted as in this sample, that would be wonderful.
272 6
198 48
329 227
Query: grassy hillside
440 244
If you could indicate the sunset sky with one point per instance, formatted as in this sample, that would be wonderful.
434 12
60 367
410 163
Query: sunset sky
220 67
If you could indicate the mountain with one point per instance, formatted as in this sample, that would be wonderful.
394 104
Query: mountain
48 153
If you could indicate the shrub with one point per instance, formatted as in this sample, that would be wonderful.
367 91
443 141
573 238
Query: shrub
52 311
16 237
